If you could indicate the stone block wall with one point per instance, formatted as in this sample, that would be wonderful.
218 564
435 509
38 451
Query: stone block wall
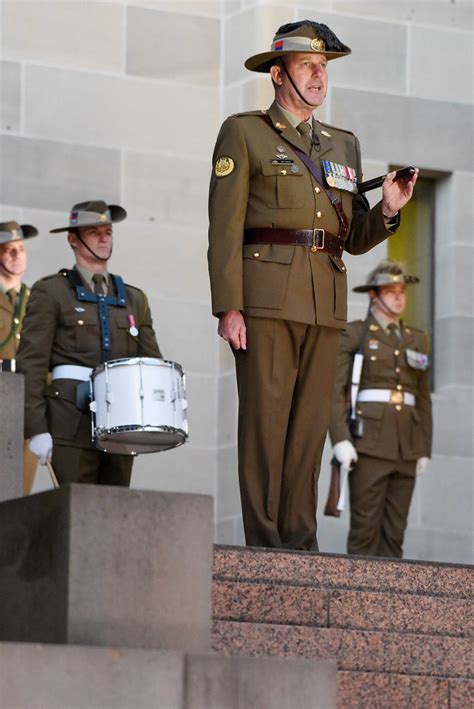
123 100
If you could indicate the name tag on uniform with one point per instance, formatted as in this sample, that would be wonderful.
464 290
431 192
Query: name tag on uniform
417 360
340 176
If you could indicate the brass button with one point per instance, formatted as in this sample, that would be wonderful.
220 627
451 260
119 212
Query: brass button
313 249
397 369
359 412
317 190
398 407
56 393
343 268
397 352
373 358
399 387
17 335
80 322
256 254
319 215
16 321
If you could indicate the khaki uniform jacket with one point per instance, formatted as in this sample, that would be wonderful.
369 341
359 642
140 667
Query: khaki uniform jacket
59 329
389 430
282 281
10 330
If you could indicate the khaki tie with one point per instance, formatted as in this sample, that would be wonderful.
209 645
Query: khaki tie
305 130
12 296
393 334
98 279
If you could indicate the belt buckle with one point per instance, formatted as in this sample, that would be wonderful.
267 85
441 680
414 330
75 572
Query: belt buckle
314 246
397 397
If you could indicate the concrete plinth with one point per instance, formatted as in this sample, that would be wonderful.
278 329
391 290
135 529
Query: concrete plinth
36 676
11 435
107 566
215 682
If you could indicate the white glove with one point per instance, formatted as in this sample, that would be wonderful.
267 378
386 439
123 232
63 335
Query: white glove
345 453
421 465
42 446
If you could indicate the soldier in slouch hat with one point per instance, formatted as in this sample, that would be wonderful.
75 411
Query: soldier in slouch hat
76 319
14 296
283 206
392 442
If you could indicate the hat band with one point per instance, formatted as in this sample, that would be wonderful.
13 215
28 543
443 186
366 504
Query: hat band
78 218
298 44
388 279
13 235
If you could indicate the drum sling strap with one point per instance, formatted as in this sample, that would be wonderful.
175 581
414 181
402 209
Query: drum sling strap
119 300
83 393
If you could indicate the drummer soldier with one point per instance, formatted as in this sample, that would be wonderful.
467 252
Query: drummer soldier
387 438
75 320
13 298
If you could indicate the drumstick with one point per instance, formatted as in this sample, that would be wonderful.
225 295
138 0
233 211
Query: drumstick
52 473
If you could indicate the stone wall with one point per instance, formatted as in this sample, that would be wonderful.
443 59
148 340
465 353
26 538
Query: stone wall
122 100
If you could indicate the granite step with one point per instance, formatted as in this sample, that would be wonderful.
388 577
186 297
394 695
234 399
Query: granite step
353 650
400 631
374 690
338 571
357 610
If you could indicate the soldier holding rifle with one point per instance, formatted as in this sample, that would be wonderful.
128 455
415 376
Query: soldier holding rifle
386 439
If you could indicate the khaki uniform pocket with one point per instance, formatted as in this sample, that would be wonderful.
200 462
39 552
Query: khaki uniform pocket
266 270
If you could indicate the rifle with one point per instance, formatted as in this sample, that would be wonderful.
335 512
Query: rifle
330 509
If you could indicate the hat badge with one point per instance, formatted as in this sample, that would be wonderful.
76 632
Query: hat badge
102 217
317 45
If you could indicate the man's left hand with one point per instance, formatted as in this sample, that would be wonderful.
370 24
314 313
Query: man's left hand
396 193
421 465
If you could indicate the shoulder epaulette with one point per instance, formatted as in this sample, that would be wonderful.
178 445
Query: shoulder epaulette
60 274
328 125
261 112
128 285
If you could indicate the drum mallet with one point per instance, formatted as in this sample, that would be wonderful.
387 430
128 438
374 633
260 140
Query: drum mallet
52 473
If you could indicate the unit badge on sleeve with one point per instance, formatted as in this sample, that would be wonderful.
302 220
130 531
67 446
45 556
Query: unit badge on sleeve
224 166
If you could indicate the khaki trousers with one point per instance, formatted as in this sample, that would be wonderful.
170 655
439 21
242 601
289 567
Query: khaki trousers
91 466
380 496
285 380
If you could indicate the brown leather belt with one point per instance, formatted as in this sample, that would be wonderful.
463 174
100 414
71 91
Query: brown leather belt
315 239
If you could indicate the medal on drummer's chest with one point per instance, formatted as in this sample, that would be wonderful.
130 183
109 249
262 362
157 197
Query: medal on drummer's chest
132 325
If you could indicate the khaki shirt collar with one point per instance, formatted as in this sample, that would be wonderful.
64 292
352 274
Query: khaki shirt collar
293 120
87 275
384 322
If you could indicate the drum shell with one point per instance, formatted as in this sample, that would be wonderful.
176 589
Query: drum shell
139 405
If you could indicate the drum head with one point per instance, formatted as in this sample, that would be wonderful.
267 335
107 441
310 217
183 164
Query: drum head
135 441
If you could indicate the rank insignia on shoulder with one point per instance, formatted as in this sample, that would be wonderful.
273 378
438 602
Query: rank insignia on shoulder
224 166
340 176
324 132
417 360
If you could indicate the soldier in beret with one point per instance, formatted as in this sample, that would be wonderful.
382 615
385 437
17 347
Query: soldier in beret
389 440
283 207
14 295
63 334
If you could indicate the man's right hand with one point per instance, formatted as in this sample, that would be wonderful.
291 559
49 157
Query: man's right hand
345 453
42 446
232 329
